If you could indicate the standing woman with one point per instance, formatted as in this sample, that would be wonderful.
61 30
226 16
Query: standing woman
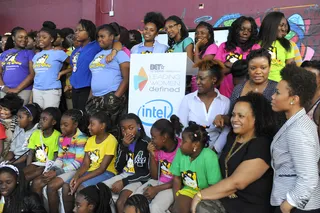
153 22
110 81
272 33
295 148
80 59
16 73
241 40
47 65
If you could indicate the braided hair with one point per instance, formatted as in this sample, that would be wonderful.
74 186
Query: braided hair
98 195
197 133
140 203
79 117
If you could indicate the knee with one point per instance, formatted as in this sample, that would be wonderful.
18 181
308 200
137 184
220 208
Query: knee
52 187
65 189
37 184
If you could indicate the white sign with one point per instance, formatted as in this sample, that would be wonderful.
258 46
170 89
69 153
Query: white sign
157 85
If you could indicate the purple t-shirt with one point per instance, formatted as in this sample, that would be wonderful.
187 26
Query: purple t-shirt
15 65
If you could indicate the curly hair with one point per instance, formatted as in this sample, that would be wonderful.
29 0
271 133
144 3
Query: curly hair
184 31
301 82
265 124
12 102
214 66
234 32
197 133
155 18
259 53
269 30
50 28
211 38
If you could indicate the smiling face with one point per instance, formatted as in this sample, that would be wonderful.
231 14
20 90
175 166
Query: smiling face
21 39
259 69
5 113
282 28
8 183
105 39
245 31
45 40
205 81
202 33
281 99
242 119
150 32
172 28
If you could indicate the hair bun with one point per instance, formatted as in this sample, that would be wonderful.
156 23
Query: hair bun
49 24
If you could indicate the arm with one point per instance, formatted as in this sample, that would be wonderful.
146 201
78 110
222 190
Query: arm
116 47
164 186
1 146
22 159
121 160
1 73
27 81
154 166
189 50
239 180
30 157
84 166
66 68
176 185
124 85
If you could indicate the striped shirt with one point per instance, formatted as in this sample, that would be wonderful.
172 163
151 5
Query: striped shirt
295 154
70 157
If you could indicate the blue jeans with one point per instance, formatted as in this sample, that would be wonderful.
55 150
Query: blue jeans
93 181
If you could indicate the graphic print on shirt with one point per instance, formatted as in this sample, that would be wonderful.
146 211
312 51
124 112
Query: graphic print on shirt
165 168
139 159
130 165
189 178
65 150
41 62
11 60
41 154
146 52
273 52
233 57
97 62
74 61
94 157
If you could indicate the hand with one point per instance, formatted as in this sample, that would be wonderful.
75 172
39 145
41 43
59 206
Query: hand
117 187
150 192
218 121
59 76
201 42
48 176
286 207
194 203
67 88
14 90
151 148
76 183
127 139
110 57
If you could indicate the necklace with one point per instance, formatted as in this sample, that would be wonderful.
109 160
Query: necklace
256 87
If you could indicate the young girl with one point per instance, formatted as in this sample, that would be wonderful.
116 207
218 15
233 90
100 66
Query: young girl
137 204
194 167
94 199
14 194
241 40
47 65
28 118
70 156
153 22
162 151
9 106
43 143
99 158
132 160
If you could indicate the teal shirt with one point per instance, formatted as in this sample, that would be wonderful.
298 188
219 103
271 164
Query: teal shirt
199 173
181 46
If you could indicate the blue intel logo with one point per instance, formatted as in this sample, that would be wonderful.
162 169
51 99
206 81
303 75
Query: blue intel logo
154 110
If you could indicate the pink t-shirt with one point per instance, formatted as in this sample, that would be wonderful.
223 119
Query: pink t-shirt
211 50
166 159
126 50
226 86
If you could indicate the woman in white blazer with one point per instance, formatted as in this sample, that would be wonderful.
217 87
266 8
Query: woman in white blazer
295 148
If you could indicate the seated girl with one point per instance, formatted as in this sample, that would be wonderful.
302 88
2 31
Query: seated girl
43 143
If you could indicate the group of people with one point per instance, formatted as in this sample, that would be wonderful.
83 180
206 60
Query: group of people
245 138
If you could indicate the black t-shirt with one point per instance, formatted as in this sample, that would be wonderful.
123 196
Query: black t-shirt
256 196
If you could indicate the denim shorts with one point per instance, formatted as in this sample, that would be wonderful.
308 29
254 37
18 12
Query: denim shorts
93 181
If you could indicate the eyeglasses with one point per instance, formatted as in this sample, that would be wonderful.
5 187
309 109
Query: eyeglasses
169 27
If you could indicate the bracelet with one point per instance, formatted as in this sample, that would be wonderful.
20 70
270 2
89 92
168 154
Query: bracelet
115 50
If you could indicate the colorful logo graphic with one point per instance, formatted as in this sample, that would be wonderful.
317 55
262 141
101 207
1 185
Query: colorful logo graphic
140 80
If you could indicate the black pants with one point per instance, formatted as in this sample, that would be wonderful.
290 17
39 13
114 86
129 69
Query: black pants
278 210
80 97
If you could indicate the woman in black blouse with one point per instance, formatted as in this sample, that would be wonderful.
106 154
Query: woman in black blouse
244 162
259 62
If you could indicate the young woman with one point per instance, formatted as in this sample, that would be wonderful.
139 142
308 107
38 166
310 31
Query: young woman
295 149
110 81
203 105
244 162
153 22
16 73
80 59
47 65
271 36
241 40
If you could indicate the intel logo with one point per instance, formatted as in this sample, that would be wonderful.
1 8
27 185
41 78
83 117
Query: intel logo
154 110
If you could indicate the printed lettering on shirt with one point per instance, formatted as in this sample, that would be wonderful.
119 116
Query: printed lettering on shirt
139 159
165 168
97 62
74 61
189 178
11 60
233 57
41 154
130 165
41 62
94 156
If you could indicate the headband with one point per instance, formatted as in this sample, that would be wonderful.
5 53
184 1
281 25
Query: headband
26 108
5 164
